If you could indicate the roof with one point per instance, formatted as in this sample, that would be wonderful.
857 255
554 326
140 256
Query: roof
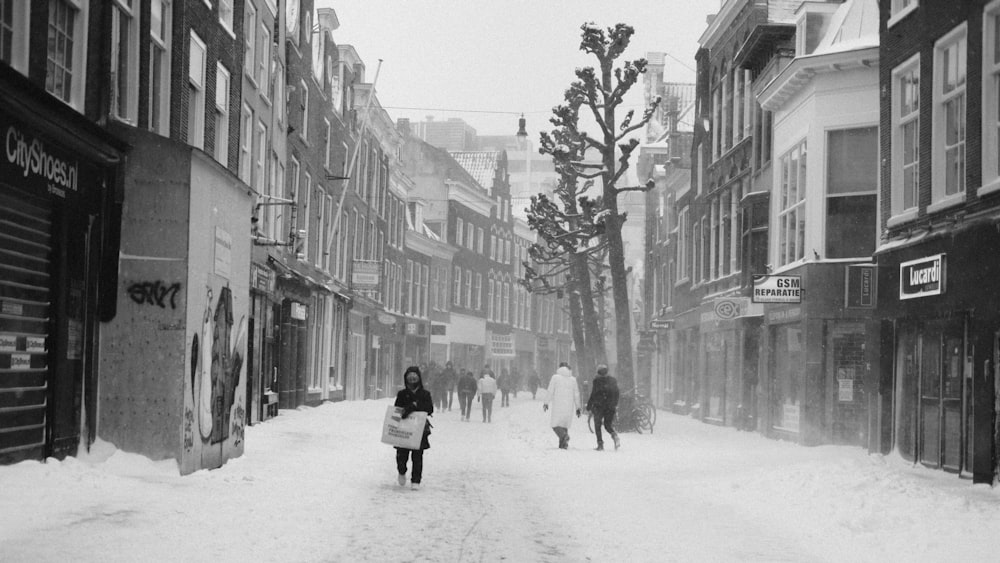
482 165
854 26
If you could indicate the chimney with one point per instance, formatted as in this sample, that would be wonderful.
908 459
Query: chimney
327 19
403 126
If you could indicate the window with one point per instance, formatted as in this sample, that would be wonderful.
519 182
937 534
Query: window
250 41
304 131
459 232
222 114
246 145
66 50
468 289
906 137
506 302
991 98
898 9
196 93
326 152
304 200
489 300
851 191
479 241
293 184
260 162
124 59
14 34
457 279
948 149
278 91
682 244
470 236
791 205
424 290
264 59
479 292
409 287
321 203
159 66
226 14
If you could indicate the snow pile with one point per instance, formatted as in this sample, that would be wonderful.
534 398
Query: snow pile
315 484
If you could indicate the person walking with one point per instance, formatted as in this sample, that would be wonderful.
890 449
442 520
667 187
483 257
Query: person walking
413 397
487 388
467 388
504 383
450 380
564 395
533 383
603 403
439 387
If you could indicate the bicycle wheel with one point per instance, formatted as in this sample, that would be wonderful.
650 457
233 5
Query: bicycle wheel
641 419
650 416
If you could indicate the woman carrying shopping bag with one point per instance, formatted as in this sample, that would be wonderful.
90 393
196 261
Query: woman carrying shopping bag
413 397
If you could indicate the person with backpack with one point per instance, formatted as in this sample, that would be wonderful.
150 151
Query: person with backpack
467 388
603 403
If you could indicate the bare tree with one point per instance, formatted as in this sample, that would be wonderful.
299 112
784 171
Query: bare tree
602 91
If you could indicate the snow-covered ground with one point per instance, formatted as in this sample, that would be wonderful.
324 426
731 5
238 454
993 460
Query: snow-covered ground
316 484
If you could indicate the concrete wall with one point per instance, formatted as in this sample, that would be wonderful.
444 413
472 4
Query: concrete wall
142 351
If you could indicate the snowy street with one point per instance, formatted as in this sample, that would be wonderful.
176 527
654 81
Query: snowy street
316 484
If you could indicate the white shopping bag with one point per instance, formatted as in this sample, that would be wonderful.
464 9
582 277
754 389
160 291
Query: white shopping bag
403 432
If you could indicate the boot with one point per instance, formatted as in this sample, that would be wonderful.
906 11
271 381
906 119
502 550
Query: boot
600 447
618 442
401 479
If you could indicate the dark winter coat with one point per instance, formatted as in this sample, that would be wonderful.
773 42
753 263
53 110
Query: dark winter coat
467 384
603 394
418 400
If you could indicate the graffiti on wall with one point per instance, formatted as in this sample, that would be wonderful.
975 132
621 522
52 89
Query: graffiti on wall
154 293
216 365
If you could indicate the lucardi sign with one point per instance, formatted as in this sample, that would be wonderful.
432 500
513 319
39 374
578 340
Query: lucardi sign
922 277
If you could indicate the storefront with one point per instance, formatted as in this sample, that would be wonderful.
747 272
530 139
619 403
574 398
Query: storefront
818 352
59 211
940 307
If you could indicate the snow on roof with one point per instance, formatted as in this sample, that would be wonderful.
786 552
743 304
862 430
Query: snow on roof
481 165
854 26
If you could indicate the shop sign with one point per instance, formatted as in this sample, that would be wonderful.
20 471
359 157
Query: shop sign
411 328
8 308
20 361
784 315
43 167
298 311
502 345
859 286
731 307
34 343
660 323
777 289
262 278
922 277
8 342
439 330
386 319
365 274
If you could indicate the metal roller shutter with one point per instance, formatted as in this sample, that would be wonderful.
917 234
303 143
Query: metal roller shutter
25 305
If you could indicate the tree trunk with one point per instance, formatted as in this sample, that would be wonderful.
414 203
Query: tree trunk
591 328
576 328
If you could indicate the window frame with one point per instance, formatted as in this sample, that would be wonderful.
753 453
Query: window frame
18 29
939 198
990 145
158 117
899 213
899 9
222 115
77 60
196 118
784 256
124 86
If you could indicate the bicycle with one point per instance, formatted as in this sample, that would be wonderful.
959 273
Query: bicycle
635 414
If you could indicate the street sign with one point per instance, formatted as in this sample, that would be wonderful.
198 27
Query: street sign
860 286
660 323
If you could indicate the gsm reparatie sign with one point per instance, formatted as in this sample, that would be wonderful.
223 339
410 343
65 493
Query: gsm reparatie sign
777 289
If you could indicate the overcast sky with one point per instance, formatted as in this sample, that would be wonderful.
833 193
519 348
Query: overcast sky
501 56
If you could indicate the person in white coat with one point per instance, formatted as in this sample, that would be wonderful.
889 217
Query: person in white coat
487 389
564 396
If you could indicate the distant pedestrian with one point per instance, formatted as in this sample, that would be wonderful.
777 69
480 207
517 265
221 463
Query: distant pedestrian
564 395
450 381
504 382
467 387
439 387
603 403
413 397
533 383
487 388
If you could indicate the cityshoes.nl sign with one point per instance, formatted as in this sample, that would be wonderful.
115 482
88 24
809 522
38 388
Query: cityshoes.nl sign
922 277
40 165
